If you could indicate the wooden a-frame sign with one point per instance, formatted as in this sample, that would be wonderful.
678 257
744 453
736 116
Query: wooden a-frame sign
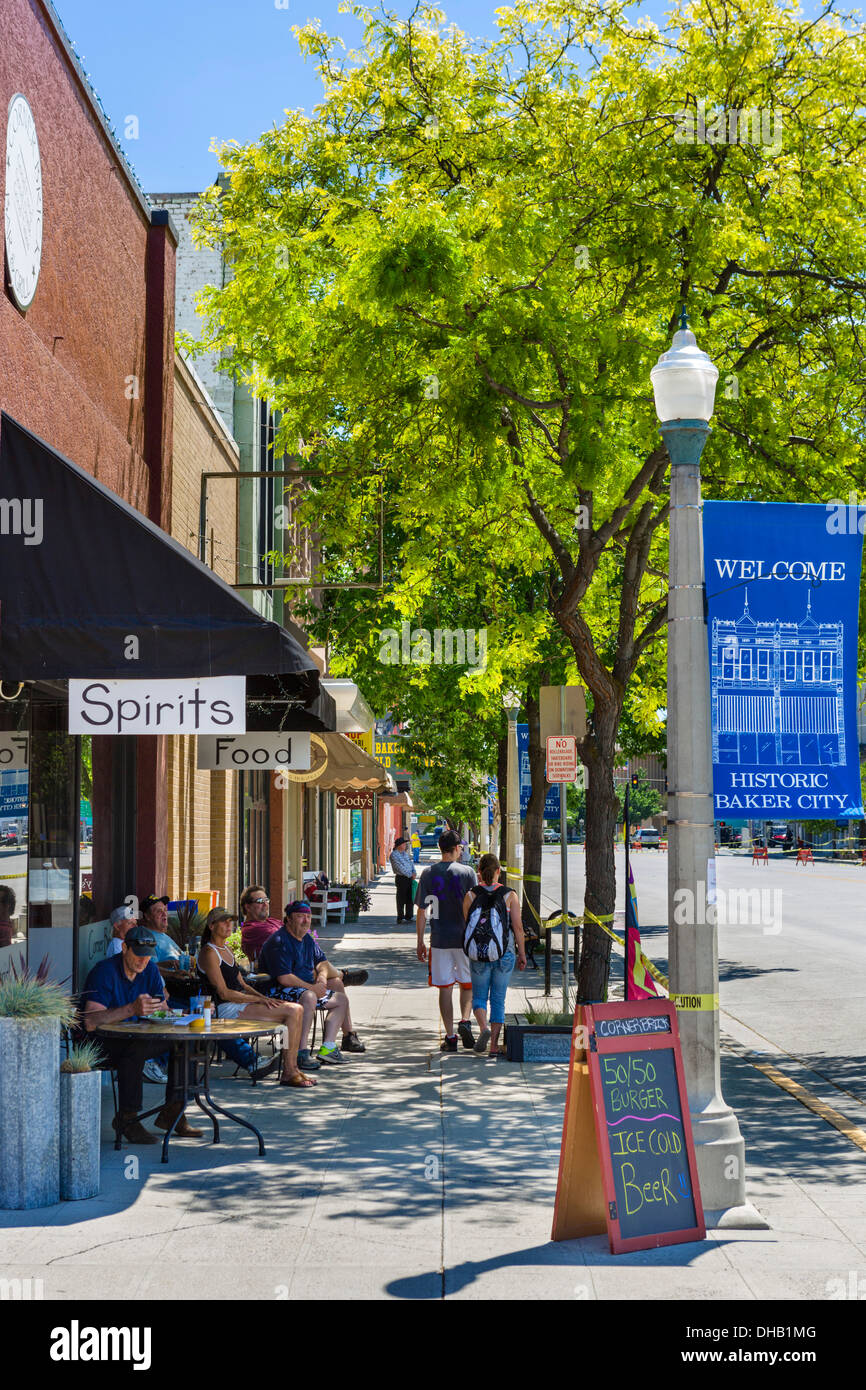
627 1161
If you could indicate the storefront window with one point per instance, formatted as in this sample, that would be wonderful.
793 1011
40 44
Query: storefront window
54 817
14 798
255 828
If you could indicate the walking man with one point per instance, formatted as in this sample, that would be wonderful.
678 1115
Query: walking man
441 892
404 871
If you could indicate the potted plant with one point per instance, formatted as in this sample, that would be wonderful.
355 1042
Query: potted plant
357 900
80 1106
189 924
32 1011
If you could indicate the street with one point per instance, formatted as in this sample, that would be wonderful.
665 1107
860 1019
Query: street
794 978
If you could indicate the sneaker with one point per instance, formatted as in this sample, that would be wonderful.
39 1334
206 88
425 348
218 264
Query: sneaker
328 1054
152 1071
306 1062
355 977
266 1068
483 1040
352 1043
449 1045
467 1037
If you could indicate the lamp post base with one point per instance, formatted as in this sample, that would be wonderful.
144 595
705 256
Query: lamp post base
720 1152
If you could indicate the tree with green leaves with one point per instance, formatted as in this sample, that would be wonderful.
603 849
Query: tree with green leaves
454 277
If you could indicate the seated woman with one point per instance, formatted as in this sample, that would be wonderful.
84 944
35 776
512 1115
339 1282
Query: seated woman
234 998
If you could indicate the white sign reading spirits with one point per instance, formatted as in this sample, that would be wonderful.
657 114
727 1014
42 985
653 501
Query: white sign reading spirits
213 704
23 202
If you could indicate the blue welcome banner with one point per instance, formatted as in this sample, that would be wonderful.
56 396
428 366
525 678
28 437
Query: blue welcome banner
551 804
783 588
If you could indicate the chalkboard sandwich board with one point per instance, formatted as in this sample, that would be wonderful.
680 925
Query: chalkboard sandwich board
644 1135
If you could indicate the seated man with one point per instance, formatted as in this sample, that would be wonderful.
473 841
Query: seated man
128 986
121 919
155 917
302 974
258 927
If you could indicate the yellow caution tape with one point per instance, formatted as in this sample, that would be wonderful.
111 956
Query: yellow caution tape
696 1003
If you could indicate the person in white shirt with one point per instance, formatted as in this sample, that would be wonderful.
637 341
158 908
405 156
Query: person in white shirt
404 871
121 919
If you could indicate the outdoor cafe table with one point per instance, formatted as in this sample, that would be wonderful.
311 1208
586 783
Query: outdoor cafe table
195 1071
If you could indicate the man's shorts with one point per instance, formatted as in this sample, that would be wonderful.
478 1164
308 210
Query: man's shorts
448 966
292 994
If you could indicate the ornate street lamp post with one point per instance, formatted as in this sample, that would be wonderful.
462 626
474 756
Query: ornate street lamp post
513 847
684 384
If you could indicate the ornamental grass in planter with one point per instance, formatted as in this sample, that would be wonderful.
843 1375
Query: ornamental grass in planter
32 1011
80 1106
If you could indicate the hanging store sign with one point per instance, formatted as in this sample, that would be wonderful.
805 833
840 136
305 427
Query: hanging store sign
783 585
14 751
23 209
354 801
213 704
252 752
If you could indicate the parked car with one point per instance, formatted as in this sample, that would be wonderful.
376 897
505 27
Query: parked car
429 835
647 837
550 836
9 837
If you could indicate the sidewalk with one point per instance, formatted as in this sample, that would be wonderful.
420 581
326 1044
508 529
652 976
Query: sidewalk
412 1175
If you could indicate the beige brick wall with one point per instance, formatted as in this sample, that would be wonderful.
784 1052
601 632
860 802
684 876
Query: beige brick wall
202 813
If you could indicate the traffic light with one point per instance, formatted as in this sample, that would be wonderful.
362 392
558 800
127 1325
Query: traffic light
634 781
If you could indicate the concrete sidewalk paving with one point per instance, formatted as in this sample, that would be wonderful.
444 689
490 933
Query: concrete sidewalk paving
412 1175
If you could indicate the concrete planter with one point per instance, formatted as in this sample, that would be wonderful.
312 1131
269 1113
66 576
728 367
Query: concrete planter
537 1042
29 1110
80 1099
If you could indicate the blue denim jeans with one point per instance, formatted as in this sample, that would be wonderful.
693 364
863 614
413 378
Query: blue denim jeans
491 978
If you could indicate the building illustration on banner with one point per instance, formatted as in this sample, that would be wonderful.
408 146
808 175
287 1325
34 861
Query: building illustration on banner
777 691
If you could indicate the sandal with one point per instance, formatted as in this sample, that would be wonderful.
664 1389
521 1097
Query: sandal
298 1080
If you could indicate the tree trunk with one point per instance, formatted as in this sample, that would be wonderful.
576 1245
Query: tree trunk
601 826
502 785
532 830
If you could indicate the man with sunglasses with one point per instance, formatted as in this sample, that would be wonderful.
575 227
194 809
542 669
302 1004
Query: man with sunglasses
258 926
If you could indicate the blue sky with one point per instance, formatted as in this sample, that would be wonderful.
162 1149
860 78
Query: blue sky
194 69
190 70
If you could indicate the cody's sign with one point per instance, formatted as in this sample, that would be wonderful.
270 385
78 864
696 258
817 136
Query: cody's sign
354 801
250 752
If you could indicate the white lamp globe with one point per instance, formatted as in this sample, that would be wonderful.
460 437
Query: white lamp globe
684 380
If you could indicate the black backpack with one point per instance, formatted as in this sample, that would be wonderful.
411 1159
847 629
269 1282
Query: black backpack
485 937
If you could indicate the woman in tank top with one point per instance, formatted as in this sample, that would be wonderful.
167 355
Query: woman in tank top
234 998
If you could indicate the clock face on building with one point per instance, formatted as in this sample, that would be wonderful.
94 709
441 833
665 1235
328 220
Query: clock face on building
23 202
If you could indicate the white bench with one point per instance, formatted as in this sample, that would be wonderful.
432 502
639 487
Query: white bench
329 902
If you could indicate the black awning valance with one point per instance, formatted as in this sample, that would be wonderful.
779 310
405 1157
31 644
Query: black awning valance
91 588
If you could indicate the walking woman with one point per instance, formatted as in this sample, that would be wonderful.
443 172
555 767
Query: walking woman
236 999
493 940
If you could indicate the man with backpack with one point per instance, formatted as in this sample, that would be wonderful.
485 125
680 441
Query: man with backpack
493 930
441 893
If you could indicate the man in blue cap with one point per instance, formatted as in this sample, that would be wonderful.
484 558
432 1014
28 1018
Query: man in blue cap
127 987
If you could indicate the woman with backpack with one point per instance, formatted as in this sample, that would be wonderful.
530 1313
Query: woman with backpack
493 930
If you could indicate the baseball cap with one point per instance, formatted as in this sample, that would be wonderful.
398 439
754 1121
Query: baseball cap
147 903
220 914
141 941
297 906
120 914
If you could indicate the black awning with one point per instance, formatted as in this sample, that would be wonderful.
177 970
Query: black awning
82 573
272 707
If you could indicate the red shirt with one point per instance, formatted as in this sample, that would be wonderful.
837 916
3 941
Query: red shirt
255 934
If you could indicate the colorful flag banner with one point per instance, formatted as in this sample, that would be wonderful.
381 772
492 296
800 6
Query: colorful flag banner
641 984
